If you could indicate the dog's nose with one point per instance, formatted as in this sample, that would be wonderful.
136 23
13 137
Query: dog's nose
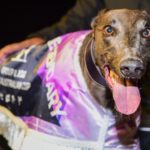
132 68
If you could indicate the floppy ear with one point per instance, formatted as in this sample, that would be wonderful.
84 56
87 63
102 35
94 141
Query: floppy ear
95 20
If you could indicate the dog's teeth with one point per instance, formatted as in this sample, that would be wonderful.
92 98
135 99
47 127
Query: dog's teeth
112 79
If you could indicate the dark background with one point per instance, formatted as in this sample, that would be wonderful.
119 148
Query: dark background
18 19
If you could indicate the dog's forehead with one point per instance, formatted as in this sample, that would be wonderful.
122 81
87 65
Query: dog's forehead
128 17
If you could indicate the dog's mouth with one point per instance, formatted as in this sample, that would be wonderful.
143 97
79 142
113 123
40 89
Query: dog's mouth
125 92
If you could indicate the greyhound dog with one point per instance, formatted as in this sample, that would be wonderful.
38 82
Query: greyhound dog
80 91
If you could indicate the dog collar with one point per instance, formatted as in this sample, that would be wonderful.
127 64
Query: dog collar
91 66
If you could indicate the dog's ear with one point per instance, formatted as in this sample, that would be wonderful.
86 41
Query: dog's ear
95 20
146 14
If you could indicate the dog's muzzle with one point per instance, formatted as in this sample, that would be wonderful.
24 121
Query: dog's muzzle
132 68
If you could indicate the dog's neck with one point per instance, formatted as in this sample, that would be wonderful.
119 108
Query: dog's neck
93 77
93 70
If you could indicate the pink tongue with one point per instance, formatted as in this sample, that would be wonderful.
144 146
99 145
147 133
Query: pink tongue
127 98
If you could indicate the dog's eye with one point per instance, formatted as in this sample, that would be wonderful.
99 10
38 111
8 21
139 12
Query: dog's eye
108 30
146 33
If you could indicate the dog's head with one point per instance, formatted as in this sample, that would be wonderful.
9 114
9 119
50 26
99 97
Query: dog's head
122 49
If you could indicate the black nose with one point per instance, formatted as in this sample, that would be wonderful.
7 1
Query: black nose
132 68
